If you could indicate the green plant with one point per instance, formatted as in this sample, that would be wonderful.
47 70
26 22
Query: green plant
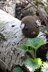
46 8
17 69
33 64
31 46
37 2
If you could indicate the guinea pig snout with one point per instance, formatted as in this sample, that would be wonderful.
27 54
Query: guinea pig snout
33 33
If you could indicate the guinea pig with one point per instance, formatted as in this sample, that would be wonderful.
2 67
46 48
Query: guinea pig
30 28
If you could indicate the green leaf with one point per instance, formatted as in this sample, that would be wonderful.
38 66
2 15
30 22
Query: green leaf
33 64
23 47
35 42
45 67
46 8
38 2
17 69
31 45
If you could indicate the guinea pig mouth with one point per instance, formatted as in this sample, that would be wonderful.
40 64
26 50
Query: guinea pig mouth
33 33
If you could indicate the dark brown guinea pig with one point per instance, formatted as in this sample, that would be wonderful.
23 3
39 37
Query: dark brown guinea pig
29 26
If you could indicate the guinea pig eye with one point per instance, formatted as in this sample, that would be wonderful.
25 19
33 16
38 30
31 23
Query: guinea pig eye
26 28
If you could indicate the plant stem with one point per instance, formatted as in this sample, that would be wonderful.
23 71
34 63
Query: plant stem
35 54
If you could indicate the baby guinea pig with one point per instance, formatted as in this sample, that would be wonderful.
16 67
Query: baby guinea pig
29 27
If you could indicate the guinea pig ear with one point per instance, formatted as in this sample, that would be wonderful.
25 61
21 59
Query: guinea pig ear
38 22
22 25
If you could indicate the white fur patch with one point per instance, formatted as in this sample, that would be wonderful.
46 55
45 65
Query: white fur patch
22 26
